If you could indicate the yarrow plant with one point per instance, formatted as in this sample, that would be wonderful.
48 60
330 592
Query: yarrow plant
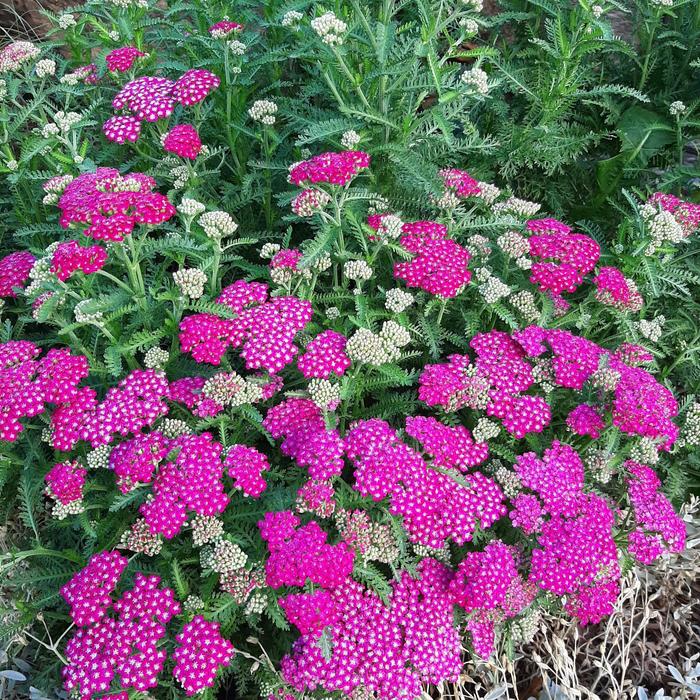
300 391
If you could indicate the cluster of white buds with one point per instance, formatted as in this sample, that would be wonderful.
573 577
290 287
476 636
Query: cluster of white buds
20 52
447 200
691 429
193 603
378 349
662 227
12 165
508 481
524 302
599 463
174 428
517 206
190 282
645 451
470 26
180 175
3 89
662 3
61 511
49 130
324 393
217 224
397 300
323 263
378 204
223 556
308 202
526 626
230 389
40 272
383 545
126 4
478 245
156 358
190 207
77 76
482 274
390 228
45 68
605 378
256 604
330 28
544 375
205 529
488 192
597 11
357 270
474 5
99 457
237 47
332 312
350 139
84 315
269 250
677 108
423 551
493 289
513 244
141 539
485 430
478 79
292 19
66 120
66 21
263 111
652 330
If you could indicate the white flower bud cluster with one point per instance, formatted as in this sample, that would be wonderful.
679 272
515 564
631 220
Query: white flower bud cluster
378 204
323 263
691 429
378 349
45 68
493 289
99 457
223 556
324 393
652 330
205 529
66 120
485 430
330 28
140 539
509 481
332 312
482 274
397 300
645 451
190 282
662 227
350 139
597 11
3 90
292 19
180 175
474 5
217 224
488 192
174 428
61 511
263 111
237 47
662 3
517 206
675 108
82 315
230 389
12 165
193 603
513 244
477 79
447 200
527 626
114 35
156 358
256 604
357 270
598 462
524 302
470 26
190 207
66 21
383 545
544 375
390 227
605 378
423 551
125 4
269 250
478 245
24 51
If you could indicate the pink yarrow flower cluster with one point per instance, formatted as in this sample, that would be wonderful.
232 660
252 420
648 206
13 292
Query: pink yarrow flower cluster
14 272
183 140
460 182
264 329
28 384
125 644
122 59
245 466
614 289
111 204
439 264
70 257
324 356
330 168
223 28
